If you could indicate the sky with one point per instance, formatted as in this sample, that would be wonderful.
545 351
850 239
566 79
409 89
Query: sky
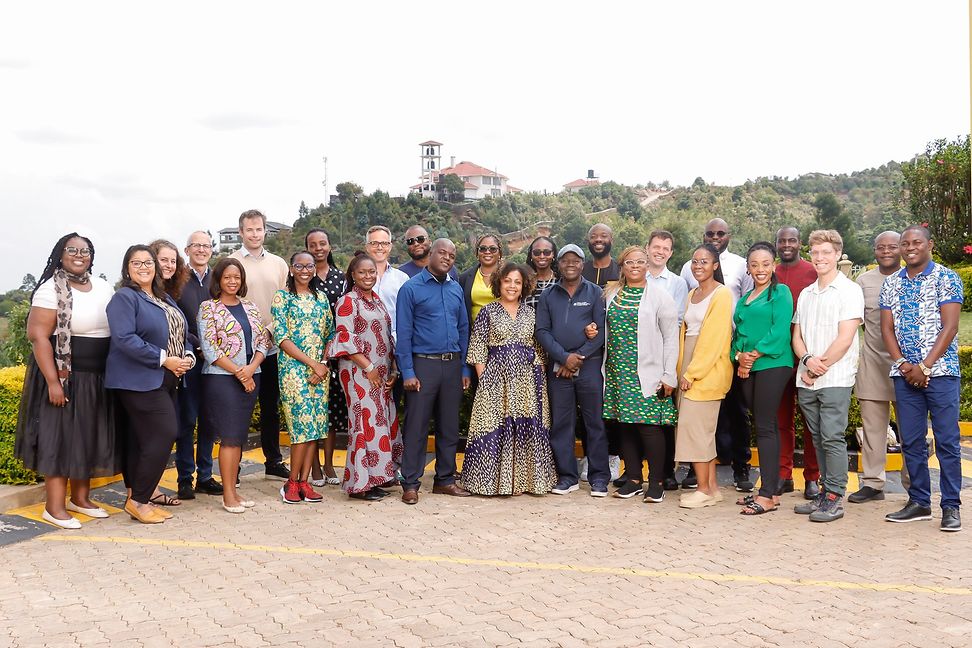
131 121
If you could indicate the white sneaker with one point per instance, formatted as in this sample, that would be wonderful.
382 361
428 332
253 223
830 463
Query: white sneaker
582 468
614 462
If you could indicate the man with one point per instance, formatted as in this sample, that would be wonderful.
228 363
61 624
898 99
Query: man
433 335
661 245
919 320
574 371
828 313
419 244
266 273
378 241
601 268
199 250
796 274
733 429
874 389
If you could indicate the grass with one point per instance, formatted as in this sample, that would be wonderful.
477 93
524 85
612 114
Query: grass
965 329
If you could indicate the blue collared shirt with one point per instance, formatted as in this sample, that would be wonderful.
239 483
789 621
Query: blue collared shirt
431 319
675 286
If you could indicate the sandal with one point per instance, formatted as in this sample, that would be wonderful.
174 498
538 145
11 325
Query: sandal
164 500
755 508
750 499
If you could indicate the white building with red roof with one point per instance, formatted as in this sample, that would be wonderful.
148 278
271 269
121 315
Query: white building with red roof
580 183
478 181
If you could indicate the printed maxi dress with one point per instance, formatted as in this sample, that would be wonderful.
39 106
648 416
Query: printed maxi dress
508 447
374 441
337 410
307 322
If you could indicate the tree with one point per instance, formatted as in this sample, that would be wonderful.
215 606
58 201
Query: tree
452 188
698 183
939 194
832 215
29 283
302 211
349 192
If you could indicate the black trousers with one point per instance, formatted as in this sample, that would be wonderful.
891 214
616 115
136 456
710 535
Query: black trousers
732 431
638 441
566 394
762 393
269 412
152 428
441 395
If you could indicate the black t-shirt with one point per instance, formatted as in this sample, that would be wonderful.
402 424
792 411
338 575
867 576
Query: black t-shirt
600 276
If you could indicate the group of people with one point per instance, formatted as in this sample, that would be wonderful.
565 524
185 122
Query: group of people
639 362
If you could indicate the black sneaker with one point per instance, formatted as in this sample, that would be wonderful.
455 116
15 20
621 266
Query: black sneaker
185 491
912 512
630 489
654 493
620 481
741 479
690 481
278 471
865 494
951 521
786 486
670 484
811 490
831 508
209 487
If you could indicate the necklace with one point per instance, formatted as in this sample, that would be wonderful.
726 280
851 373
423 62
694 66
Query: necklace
629 297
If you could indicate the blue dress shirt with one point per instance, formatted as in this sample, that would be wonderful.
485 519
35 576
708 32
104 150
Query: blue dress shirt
431 319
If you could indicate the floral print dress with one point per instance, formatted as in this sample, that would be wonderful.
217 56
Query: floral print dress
306 321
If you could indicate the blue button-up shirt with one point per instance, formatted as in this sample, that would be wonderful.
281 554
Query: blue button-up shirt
915 305
431 319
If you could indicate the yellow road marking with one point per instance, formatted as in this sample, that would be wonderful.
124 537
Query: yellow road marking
528 565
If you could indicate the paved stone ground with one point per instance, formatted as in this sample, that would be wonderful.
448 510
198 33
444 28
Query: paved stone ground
524 571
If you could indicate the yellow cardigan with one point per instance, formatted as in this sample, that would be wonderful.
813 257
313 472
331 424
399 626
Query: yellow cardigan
711 369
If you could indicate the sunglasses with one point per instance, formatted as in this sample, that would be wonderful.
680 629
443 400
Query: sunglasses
542 252
490 249
718 234
416 239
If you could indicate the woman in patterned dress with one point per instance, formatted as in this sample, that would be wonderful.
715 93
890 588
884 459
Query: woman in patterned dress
302 325
329 279
541 257
641 352
365 357
508 447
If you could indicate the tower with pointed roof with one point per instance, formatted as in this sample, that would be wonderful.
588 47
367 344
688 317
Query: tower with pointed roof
431 157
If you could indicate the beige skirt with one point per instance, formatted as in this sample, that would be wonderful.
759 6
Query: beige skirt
696 432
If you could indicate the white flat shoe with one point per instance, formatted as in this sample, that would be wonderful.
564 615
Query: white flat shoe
247 503
90 512
70 523
234 509
316 482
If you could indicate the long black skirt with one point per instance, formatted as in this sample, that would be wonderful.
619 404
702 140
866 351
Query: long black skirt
81 440
227 408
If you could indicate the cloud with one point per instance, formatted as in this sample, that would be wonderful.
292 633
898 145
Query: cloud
13 64
122 187
239 121
50 136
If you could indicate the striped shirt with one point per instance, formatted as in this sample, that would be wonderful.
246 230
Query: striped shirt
819 311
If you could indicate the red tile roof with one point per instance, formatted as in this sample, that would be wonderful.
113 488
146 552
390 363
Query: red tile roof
581 182
469 169
430 143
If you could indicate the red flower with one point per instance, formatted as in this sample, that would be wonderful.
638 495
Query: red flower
968 249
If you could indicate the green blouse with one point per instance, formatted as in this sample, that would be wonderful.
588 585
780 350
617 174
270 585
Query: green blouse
764 326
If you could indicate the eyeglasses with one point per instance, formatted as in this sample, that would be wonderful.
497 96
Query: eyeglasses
885 248
718 234
701 262
635 263
200 246
416 239
81 252
490 249
542 252
379 244
303 266
148 263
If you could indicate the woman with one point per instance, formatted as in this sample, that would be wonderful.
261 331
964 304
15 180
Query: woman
705 374
476 287
641 349
234 344
508 447
761 347
149 354
329 279
365 357
302 324
541 256
66 424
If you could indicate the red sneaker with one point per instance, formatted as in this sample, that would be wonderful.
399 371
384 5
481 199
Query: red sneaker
290 492
308 493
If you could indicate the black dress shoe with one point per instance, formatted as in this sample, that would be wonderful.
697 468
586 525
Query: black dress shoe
368 496
864 494
811 491
912 512
670 484
185 491
379 491
786 486
951 521
209 487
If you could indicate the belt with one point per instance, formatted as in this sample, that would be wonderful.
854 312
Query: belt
444 357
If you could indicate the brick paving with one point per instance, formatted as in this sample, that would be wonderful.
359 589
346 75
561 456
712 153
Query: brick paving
523 571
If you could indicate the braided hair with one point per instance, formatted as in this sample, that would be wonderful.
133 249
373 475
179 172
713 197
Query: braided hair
54 260
765 246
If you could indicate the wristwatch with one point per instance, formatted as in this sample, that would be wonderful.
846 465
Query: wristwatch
925 370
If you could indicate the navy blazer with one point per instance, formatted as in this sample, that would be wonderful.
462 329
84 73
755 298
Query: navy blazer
139 335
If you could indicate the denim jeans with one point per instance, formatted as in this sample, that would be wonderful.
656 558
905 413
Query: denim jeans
189 397
825 413
940 400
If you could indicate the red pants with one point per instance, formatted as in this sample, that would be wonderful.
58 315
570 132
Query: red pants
784 420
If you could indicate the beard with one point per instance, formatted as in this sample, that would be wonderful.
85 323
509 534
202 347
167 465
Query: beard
605 252
418 256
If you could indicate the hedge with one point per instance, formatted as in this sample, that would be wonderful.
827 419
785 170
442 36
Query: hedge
965 272
12 471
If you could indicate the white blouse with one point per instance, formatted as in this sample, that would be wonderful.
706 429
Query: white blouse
88 316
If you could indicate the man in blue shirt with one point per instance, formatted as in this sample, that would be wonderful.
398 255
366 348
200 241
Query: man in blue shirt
433 333
920 308
574 376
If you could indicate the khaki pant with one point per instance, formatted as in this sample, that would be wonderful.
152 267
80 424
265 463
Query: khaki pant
875 416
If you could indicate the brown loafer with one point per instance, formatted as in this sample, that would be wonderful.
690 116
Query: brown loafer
451 489
410 496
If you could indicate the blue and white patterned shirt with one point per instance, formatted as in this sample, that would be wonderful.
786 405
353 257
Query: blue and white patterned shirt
915 305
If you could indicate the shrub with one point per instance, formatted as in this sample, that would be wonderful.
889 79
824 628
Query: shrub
11 387
965 397
965 272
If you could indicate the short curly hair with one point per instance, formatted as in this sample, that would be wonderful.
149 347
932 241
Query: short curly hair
529 280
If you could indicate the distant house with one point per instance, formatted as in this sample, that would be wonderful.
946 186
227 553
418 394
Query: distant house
229 237
478 181
580 183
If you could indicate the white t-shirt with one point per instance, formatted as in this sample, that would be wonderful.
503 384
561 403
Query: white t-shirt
819 313
88 316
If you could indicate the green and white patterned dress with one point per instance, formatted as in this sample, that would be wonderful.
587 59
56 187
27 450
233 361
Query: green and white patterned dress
623 400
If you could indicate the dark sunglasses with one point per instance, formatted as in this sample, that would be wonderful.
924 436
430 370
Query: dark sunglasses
719 234
542 252
488 248
416 239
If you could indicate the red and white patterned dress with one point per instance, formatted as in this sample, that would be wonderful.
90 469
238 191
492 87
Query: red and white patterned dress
374 440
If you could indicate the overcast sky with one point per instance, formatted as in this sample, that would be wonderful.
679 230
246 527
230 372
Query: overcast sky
129 121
